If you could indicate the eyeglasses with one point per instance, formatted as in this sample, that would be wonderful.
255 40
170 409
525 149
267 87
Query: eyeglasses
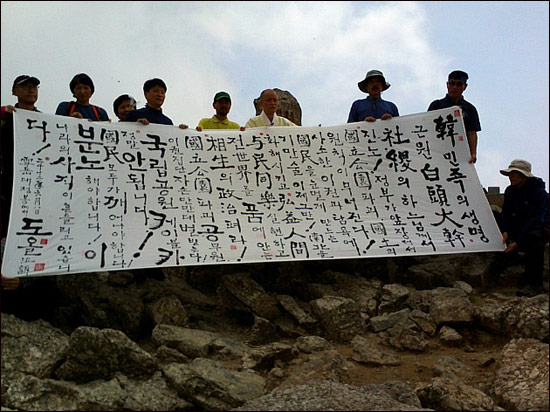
455 83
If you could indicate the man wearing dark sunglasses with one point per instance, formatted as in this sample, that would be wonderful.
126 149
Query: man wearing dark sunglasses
456 85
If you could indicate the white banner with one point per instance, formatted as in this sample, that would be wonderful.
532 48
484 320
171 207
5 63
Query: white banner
108 196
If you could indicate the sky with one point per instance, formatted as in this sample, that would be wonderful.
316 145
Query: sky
318 51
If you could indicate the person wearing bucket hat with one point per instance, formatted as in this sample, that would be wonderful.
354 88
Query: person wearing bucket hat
373 107
524 222
222 105
456 85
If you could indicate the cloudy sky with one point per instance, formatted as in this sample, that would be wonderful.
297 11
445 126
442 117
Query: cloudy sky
317 51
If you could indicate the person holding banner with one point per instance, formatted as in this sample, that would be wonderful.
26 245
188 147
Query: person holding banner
269 102
155 93
222 105
123 105
25 88
373 107
456 85
82 88
524 222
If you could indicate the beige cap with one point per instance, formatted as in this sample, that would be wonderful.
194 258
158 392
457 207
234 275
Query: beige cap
518 165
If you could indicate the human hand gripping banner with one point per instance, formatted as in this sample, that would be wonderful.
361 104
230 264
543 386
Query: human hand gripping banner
109 196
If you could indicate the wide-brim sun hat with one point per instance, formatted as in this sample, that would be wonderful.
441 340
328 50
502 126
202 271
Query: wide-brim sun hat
518 165
373 73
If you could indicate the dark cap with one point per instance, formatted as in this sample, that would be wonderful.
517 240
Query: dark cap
458 75
25 78
221 95
373 73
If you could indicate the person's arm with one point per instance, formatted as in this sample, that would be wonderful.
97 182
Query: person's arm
251 123
472 142
352 117
10 283
537 207
62 109
103 115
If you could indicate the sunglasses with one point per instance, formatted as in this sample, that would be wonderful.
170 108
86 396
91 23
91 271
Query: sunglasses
455 83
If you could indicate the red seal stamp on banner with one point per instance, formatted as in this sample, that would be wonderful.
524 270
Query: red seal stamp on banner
39 267
457 113
43 241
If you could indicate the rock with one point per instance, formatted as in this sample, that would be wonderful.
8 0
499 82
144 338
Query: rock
240 291
34 348
522 378
168 310
388 320
450 395
310 344
333 396
450 337
340 317
100 354
452 306
212 386
364 352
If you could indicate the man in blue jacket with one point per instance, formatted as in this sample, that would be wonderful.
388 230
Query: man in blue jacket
524 222
373 107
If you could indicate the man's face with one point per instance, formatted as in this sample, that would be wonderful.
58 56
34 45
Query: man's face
155 97
517 178
222 107
26 93
455 88
269 102
374 87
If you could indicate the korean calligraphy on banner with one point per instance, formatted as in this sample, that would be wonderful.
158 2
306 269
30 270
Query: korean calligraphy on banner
109 196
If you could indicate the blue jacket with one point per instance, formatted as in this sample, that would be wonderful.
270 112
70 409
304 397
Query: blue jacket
469 111
525 209
153 115
371 107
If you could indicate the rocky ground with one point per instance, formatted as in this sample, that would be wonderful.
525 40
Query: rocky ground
423 333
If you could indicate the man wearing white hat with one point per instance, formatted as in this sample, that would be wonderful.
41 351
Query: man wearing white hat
373 107
524 222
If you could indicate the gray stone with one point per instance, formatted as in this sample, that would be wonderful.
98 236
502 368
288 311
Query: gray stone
522 378
212 386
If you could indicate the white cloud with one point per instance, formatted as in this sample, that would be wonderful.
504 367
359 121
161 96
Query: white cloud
318 51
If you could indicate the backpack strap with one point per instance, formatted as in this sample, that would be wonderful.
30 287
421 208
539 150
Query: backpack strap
96 109
72 106
96 112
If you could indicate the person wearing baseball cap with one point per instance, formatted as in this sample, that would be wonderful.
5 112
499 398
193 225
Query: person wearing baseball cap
222 106
524 222
373 107
457 82
25 88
